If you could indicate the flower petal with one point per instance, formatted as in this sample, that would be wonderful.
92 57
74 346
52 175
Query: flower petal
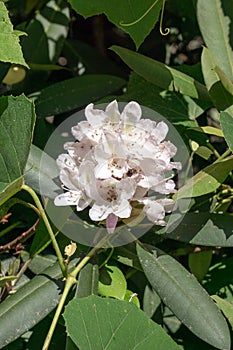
96 117
112 112
131 113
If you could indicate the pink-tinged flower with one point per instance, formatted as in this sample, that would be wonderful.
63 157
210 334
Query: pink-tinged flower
117 160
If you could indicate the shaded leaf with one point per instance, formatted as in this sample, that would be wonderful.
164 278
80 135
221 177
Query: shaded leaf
48 29
202 229
39 262
77 51
5 279
74 93
226 120
206 180
4 67
226 82
142 14
88 279
17 118
10 50
175 107
30 304
104 323
41 179
218 93
39 333
162 75
151 301
191 304
219 279
199 263
215 27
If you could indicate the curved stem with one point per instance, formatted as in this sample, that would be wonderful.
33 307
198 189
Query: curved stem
48 226
70 281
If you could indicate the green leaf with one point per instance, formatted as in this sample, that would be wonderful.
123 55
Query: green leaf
226 120
162 75
206 180
137 18
5 279
177 108
30 304
132 298
181 292
210 130
10 50
151 301
215 29
220 96
226 307
199 263
127 256
77 51
39 262
38 178
17 118
88 279
219 279
104 323
48 29
112 282
74 93
203 228
226 82
8 190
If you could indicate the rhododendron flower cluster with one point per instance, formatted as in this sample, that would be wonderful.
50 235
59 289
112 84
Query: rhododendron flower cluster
117 160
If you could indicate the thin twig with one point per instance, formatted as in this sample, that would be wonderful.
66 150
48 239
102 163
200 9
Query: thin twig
21 238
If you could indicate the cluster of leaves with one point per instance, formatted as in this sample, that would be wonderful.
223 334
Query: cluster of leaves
171 290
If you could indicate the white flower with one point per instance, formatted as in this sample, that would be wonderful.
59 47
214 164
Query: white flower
117 159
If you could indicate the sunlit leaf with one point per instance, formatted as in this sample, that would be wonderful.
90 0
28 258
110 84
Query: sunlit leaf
112 282
206 180
226 307
105 323
134 17
10 50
